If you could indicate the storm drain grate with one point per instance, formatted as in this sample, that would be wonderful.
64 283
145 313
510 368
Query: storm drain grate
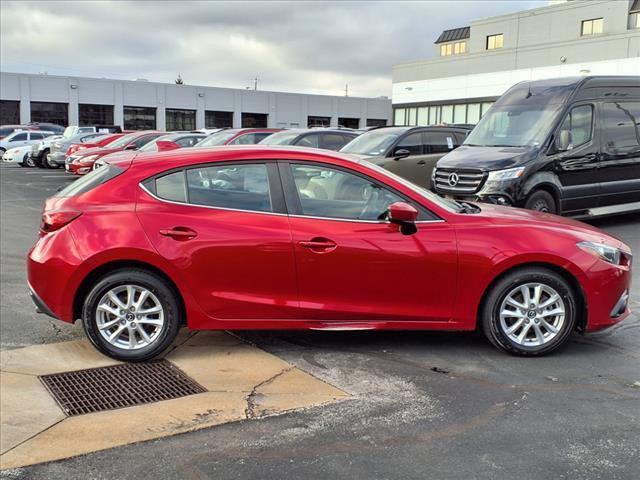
118 386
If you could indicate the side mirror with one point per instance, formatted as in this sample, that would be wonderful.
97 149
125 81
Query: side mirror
131 146
405 216
401 153
563 141
164 145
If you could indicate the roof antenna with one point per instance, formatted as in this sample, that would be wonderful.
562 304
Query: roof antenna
529 94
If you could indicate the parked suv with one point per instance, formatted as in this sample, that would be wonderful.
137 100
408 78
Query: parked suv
324 138
410 152
566 145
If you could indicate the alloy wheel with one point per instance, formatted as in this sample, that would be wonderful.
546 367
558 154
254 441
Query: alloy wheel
130 317
532 314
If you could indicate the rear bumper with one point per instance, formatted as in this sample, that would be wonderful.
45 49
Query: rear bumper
41 307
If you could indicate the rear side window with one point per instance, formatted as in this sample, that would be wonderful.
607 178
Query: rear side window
334 141
239 187
311 140
171 187
90 181
579 122
622 127
188 141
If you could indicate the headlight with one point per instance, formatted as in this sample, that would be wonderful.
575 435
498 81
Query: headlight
88 158
508 174
602 251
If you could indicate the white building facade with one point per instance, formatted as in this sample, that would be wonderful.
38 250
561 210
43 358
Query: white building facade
478 63
137 105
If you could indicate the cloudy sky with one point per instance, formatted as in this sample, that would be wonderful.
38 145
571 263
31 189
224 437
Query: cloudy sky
305 46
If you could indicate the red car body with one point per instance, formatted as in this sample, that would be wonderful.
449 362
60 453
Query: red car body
101 142
256 270
81 162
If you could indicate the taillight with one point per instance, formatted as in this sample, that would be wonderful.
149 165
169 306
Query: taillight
52 221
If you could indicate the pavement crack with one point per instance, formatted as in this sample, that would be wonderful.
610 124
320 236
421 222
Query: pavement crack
249 412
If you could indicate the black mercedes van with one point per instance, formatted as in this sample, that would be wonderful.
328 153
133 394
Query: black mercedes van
568 145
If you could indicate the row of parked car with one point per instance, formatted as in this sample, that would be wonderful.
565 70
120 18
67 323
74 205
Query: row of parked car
568 145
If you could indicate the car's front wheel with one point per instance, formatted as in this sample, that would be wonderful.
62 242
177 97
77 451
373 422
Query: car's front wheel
529 312
131 315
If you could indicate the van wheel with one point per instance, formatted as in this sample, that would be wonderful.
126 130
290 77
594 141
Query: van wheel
131 315
529 312
541 201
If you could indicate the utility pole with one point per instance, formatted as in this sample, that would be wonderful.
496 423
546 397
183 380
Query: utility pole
346 90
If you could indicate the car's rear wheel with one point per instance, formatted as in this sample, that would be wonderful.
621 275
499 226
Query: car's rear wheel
529 312
541 201
131 315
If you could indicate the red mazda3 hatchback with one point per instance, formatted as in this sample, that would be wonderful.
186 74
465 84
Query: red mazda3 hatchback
285 238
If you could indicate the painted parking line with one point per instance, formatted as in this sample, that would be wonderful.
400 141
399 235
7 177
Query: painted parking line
242 382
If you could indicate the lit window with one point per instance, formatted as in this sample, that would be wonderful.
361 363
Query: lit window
453 49
592 27
443 50
495 41
463 47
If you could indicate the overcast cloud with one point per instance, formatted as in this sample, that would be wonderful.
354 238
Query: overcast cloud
313 47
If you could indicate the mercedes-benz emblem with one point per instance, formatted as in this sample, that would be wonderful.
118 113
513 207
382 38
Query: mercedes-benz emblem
453 179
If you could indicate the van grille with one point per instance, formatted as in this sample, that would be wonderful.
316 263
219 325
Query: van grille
463 181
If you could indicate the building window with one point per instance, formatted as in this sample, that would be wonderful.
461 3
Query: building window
314 121
447 114
213 119
50 112
95 114
423 116
495 41
634 20
254 120
473 113
139 118
179 119
456 48
9 112
398 117
349 122
592 27
376 122
460 113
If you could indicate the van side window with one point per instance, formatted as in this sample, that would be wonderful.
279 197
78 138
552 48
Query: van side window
579 121
622 127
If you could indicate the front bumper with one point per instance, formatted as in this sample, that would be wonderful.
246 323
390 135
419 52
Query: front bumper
57 157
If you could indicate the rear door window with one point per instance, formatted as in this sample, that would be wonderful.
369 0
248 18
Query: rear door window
238 187
171 187
311 140
622 127
439 142
334 141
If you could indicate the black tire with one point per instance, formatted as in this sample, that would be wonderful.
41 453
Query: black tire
150 281
541 201
490 320
42 161
27 161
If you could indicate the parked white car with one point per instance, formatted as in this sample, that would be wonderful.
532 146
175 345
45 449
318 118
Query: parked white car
22 138
20 155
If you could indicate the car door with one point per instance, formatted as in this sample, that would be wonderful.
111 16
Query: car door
353 265
405 158
619 170
577 166
223 226
437 143
19 140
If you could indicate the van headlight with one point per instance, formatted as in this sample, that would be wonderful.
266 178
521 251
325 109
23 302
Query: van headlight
508 174
604 252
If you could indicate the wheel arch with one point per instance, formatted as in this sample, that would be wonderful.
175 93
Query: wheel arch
546 181
582 318
111 266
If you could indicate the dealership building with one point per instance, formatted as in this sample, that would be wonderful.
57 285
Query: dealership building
475 64
141 105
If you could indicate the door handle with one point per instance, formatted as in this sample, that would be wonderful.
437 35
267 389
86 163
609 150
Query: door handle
319 245
179 233
422 162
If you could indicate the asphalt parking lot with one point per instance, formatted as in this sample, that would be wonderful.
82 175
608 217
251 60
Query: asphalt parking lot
422 405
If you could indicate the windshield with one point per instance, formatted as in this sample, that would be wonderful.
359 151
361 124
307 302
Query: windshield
70 132
514 126
445 203
219 138
280 138
122 141
373 143
152 146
